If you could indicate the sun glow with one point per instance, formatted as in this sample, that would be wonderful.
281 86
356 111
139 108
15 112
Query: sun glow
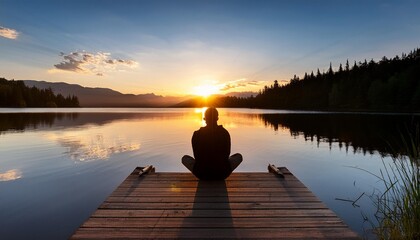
206 90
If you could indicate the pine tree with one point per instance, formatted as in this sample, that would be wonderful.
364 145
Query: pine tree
330 70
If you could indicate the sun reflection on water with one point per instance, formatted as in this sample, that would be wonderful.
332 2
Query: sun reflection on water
201 111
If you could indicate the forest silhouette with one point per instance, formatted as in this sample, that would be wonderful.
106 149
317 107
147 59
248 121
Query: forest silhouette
17 94
391 85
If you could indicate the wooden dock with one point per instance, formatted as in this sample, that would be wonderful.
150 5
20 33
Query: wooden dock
246 205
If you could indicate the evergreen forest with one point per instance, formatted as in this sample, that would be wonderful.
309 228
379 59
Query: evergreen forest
17 94
387 85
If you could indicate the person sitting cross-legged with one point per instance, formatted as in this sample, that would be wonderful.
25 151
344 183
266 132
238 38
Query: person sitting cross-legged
211 148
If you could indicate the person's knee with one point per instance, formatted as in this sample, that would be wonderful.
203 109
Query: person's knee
188 162
235 160
187 158
237 157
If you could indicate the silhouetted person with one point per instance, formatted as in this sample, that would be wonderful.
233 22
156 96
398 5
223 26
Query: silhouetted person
211 147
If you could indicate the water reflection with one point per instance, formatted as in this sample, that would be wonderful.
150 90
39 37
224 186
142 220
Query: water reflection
10 175
87 147
77 132
22 121
365 133
12 122
34 145
201 111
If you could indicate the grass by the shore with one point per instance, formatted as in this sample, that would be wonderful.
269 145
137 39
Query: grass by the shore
398 207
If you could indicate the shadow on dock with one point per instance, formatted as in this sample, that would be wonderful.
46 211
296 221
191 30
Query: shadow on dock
205 192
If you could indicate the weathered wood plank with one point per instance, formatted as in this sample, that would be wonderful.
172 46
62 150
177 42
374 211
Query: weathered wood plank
212 233
210 199
264 222
181 193
189 175
248 177
234 213
208 184
229 191
246 205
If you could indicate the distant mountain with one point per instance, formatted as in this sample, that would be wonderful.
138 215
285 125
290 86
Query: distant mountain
195 102
105 97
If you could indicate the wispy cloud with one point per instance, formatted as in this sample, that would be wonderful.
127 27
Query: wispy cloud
8 33
92 63
240 84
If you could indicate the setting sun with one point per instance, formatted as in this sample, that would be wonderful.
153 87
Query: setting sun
206 90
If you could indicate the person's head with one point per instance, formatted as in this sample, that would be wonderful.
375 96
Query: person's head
211 116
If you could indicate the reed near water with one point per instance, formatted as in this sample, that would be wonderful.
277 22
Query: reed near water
398 207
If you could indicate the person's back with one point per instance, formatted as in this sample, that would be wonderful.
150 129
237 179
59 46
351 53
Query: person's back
211 147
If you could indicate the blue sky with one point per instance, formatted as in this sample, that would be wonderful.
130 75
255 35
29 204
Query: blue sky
177 47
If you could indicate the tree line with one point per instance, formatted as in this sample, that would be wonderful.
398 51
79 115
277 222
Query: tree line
17 94
386 85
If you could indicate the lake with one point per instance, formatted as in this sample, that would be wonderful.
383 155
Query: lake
58 165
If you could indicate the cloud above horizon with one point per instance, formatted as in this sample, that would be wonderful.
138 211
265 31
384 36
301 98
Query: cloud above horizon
241 83
8 33
90 63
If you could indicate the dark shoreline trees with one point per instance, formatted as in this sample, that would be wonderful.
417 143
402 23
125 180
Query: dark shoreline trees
17 94
391 85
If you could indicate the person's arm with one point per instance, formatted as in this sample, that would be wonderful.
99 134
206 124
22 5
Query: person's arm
194 144
227 143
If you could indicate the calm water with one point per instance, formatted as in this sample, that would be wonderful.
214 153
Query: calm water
57 167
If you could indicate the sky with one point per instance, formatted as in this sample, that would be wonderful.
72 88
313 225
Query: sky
175 48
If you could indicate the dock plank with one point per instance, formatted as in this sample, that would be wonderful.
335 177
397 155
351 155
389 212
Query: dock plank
219 213
212 199
246 205
212 223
